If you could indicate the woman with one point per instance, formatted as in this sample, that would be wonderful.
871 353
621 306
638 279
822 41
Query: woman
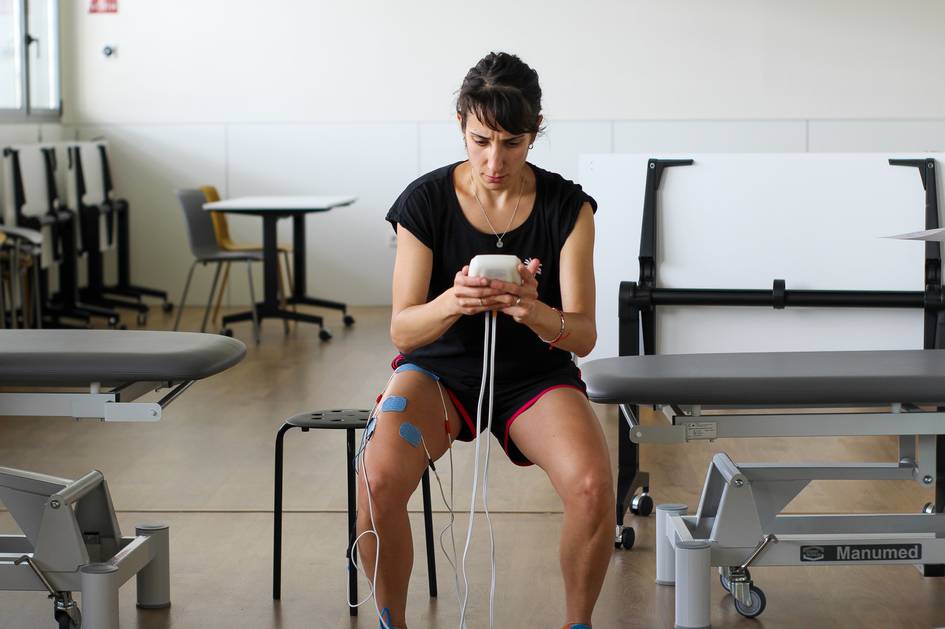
541 413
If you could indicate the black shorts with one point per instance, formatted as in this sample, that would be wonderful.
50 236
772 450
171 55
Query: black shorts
511 400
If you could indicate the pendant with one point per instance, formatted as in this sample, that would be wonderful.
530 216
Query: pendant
498 244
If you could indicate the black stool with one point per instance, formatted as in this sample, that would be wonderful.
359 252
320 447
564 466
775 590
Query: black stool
349 420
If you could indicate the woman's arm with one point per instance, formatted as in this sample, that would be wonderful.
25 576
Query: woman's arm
577 293
415 322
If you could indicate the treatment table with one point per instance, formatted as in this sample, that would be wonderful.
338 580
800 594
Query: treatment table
738 522
71 541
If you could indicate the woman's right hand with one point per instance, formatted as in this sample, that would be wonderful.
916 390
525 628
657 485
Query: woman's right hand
472 295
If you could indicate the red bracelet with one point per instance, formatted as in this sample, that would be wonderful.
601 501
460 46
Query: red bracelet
560 334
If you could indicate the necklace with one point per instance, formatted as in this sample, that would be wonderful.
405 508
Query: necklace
498 242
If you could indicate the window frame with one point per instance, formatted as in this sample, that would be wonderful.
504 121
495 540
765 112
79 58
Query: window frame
26 112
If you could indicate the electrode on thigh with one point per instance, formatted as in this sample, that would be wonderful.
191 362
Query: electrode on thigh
418 368
394 404
411 434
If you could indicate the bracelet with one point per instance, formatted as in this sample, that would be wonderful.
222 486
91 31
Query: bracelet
560 330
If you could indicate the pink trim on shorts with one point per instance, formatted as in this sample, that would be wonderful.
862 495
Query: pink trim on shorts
525 407
462 410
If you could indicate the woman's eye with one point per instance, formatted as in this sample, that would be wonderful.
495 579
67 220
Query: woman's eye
482 142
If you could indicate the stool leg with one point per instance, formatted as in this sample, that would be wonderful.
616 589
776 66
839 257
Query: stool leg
428 525
352 526
277 517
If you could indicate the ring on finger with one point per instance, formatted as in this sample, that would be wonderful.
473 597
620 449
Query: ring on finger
518 301
480 302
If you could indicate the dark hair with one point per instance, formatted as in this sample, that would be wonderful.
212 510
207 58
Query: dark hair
503 92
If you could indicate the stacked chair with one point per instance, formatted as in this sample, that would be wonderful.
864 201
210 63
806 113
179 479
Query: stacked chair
32 202
104 225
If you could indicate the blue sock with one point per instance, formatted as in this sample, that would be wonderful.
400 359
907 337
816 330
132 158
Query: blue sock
579 626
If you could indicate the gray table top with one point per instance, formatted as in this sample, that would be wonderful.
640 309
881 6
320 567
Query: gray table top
80 357
770 378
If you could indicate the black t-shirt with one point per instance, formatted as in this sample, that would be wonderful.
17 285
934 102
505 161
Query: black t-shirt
430 210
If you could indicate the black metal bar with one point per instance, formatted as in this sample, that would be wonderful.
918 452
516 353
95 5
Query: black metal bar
298 255
352 524
654 176
628 452
428 528
645 298
277 516
270 261
933 320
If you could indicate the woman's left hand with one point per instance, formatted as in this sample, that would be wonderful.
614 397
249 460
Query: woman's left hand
520 299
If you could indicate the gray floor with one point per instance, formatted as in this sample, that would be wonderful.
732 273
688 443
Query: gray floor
206 470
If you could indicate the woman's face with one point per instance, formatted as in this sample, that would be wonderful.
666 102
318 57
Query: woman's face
496 157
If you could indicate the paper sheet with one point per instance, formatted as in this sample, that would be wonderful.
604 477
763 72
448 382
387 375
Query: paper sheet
934 235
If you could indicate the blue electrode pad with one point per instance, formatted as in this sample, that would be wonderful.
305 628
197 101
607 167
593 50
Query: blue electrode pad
412 367
410 433
395 404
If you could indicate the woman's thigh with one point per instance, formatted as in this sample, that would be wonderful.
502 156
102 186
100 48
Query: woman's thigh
415 416
561 434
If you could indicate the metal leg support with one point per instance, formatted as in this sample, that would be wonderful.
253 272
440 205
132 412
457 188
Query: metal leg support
692 584
665 555
100 596
154 580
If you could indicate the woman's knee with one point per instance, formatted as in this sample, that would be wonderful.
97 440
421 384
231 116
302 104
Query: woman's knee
389 488
590 492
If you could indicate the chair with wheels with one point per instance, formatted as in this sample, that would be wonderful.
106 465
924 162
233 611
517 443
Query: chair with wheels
349 420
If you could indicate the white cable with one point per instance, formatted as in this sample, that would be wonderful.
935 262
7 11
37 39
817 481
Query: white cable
472 501
360 456
377 549
485 478
449 504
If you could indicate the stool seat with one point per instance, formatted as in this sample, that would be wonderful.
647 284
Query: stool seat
345 418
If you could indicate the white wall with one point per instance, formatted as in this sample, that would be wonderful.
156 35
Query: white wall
356 97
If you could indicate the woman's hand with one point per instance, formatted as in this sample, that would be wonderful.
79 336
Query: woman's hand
473 295
519 300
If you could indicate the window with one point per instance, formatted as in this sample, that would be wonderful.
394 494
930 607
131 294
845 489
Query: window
29 60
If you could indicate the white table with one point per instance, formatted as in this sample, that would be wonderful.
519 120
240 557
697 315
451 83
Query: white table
271 209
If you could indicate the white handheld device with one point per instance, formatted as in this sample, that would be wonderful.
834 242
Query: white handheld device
496 267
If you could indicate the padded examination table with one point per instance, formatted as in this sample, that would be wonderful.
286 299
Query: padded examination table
770 378
739 520
78 357
71 540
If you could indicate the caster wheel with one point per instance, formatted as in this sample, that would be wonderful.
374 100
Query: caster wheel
167 306
65 622
757 606
727 583
627 538
227 332
929 508
641 505
142 318
324 334
349 321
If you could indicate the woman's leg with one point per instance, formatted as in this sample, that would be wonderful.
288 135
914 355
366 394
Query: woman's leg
393 467
561 434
